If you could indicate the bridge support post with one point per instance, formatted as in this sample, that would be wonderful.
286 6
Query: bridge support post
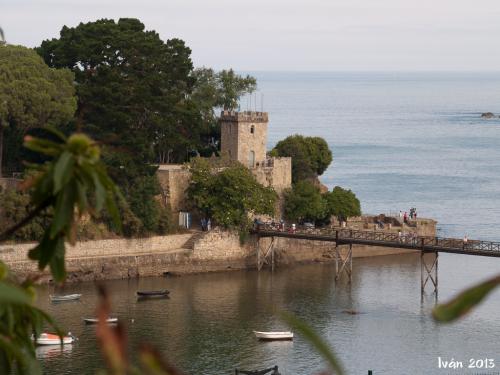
266 257
344 261
429 271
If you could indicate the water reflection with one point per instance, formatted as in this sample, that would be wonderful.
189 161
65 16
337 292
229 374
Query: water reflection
50 352
207 324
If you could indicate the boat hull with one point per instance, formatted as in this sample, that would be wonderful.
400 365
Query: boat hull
273 336
153 293
95 320
51 339
69 297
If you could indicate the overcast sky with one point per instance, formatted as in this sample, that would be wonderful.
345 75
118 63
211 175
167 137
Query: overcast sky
291 34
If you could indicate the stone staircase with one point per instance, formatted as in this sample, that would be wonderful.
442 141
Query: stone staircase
189 244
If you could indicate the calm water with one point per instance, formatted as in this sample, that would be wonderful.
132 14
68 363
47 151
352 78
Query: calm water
399 140
206 326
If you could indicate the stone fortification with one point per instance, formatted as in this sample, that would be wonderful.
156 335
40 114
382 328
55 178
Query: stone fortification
193 252
244 136
243 139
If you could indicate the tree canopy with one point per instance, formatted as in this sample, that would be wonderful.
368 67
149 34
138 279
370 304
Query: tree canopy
140 97
342 203
311 156
32 94
217 90
228 195
304 203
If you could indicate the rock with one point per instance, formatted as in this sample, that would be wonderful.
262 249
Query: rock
487 115
351 312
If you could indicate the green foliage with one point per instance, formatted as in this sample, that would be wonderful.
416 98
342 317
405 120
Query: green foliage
213 90
304 203
132 90
71 183
465 301
342 203
19 319
132 87
73 179
31 93
311 156
228 195
15 206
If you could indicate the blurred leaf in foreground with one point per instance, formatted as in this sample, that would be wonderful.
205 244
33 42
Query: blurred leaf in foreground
464 302
319 344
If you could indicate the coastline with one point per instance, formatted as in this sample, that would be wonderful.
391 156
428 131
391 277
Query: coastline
194 252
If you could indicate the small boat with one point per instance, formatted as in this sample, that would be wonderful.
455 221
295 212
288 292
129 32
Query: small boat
53 339
153 293
62 298
96 320
287 335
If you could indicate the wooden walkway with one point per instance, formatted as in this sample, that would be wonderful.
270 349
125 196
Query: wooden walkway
385 239
350 237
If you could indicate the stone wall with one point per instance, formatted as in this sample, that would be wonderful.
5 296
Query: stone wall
276 173
174 181
175 254
243 133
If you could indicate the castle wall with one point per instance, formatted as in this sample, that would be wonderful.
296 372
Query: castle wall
242 133
174 181
276 173
216 250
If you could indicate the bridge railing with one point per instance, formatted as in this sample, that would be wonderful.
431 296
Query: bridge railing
417 242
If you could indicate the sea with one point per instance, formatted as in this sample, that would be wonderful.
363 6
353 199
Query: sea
399 140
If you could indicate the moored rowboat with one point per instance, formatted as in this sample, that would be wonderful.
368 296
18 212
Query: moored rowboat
286 335
96 320
153 293
53 339
62 298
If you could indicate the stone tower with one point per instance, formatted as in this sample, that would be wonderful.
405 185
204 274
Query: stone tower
244 136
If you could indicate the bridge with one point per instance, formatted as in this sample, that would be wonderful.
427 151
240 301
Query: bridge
349 237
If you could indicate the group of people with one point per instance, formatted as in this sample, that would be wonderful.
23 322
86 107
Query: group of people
405 216
206 224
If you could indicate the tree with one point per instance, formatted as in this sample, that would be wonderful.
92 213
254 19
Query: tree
342 203
228 195
304 203
217 90
32 94
311 156
133 96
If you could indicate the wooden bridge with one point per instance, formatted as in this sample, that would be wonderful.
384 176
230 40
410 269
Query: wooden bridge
349 237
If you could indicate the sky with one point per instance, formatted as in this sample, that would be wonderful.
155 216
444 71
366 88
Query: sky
292 35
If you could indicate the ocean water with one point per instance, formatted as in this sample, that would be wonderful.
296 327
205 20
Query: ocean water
400 140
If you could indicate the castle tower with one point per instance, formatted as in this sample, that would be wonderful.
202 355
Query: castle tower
244 136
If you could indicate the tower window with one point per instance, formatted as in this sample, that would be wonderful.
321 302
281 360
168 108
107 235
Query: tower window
252 129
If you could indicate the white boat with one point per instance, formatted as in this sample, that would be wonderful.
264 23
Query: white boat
96 320
53 339
286 335
62 298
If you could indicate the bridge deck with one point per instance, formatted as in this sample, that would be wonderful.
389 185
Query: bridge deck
385 239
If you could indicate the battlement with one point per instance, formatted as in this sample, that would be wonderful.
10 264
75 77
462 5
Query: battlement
246 116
